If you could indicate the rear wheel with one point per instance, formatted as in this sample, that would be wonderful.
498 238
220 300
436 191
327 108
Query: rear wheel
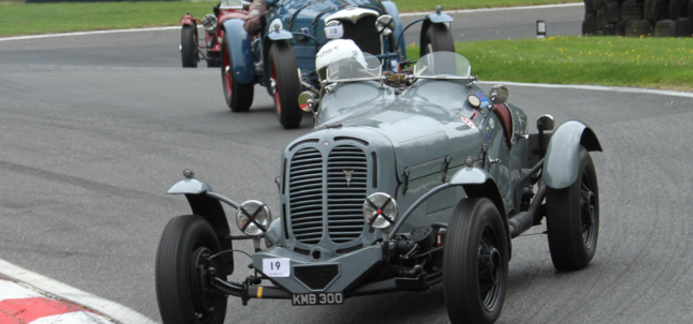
475 262
188 46
239 96
438 39
285 83
184 272
572 217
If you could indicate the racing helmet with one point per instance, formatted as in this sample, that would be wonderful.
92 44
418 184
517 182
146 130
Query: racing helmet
335 49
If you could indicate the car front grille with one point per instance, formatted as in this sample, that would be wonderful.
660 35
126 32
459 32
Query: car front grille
363 33
343 200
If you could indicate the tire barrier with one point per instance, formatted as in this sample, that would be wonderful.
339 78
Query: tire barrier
638 18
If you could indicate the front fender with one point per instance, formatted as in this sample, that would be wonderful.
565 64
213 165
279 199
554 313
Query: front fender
562 155
479 183
209 208
280 34
187 20
241 51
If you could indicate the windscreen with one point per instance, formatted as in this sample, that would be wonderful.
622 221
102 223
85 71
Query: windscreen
354 67
442 65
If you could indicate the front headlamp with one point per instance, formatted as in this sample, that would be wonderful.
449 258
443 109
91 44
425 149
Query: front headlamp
253 217
210 22
380 210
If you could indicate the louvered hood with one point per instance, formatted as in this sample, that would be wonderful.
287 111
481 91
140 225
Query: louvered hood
326 177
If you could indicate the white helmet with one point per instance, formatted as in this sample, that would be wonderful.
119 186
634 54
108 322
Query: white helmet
335 49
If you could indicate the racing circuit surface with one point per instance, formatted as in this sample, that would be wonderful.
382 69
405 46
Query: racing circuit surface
95 129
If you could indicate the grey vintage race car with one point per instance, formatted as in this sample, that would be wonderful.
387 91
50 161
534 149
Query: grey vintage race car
408 180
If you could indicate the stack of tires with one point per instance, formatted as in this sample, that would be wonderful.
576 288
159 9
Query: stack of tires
664 18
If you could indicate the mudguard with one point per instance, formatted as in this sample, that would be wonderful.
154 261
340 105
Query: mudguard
392 10
209 208
187 20
241 52
434 18
279 35
562 155
479 183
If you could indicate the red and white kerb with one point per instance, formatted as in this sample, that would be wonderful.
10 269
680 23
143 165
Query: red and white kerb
19 305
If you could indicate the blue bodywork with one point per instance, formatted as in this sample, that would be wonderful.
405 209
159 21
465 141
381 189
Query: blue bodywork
303 24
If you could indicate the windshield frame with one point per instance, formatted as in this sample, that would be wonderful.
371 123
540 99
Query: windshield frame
231 4
368 58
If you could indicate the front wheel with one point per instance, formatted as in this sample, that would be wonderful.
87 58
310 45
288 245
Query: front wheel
184 271
188 46
438 39
572 218
475 262
285 83
239 96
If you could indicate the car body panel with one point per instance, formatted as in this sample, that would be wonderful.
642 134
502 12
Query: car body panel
241 51
561 164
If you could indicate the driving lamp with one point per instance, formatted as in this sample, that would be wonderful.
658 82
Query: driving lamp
210 22
380 210
253 217
385 25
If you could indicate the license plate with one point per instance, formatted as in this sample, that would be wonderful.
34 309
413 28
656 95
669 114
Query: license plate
317 299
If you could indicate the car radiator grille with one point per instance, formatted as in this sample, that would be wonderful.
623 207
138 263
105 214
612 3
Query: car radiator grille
344 200
363 33
306 195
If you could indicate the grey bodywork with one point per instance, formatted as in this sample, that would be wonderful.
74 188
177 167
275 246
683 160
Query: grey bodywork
412 143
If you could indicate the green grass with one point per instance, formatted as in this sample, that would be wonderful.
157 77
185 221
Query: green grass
418 5
664 63
30 19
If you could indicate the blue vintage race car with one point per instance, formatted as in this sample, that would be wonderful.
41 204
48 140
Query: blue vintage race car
282 56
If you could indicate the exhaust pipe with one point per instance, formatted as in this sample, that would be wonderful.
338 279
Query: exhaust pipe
523 221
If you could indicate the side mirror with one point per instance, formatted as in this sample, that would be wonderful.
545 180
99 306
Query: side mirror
499 94
544 123
385 25
307 102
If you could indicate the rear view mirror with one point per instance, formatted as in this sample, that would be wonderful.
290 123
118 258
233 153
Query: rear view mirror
545 122
499 94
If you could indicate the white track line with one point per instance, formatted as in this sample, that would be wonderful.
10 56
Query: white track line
597 88
111 309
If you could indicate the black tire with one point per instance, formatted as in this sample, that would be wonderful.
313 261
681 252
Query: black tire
589 26
239 96
590 5
684 27
677 9
610 30
475 262
689 10
656 10
613 10
631 10
621 28
438 39
181 258
188 46
601 19
572 216
637 28
665 28
287 84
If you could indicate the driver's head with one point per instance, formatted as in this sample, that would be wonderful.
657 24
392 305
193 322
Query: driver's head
336 50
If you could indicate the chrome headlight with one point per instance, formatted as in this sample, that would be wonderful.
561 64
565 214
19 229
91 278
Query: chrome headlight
380 210
210 22
253 217
385 25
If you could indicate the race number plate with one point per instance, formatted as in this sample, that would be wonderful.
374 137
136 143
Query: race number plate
317 299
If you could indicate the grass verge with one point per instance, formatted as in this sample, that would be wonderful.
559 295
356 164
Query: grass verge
662 63
31 19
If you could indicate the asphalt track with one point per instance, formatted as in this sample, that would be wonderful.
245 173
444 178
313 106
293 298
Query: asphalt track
94 130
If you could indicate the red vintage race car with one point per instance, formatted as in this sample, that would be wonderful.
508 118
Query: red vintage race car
190 48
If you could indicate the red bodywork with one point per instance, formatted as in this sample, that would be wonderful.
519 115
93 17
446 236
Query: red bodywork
213 39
